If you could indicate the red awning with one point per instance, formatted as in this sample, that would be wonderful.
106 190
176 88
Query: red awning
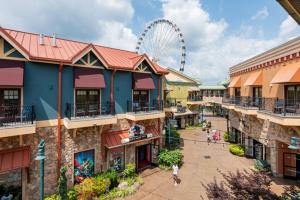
114 139
14 159
88 78
11 73
143 81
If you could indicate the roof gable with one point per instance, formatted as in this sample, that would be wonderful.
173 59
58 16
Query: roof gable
176 76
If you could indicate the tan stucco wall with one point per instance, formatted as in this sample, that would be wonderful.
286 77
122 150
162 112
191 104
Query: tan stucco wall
268 89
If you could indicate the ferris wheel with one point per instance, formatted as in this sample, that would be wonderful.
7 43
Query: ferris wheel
163 38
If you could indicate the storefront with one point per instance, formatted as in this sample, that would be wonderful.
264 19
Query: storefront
14 167
254 149
137 145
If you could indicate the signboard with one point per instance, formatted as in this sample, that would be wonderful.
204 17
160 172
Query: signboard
136 132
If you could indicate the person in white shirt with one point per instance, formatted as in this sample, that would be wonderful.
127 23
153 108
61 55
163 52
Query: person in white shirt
175 171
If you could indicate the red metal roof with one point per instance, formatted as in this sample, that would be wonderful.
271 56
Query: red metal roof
67 50
113 139
14 159
88 78
11 73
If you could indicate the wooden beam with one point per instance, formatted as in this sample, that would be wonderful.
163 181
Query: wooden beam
85 63
9 52
89 58
1 47
94 62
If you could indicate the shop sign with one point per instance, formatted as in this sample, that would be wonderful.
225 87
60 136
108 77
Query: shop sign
136 132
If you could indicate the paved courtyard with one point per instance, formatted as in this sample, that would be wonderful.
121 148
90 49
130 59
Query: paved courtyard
201 165
201 162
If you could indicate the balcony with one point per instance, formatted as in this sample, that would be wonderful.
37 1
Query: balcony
87 115
194 100
228 102
282 111
143 110
17 120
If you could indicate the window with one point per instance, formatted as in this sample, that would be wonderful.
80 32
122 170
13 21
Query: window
87 102
237 92
10 97
140 98
292 94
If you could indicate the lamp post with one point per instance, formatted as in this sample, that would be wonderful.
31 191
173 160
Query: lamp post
41 157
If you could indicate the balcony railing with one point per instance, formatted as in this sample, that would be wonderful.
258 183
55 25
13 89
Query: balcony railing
89 110
245 101
16 115
195 98
228 100
281 106
144 106
248 102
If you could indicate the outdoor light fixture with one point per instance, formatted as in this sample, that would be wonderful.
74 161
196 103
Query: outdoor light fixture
294 143
41 157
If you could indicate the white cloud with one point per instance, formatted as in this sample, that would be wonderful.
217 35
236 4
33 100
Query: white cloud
288 27
210 49
261 14
93 20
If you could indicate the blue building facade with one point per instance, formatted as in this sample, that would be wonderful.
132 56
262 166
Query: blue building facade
92 102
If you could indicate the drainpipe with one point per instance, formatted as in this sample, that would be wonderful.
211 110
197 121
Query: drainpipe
112 82
159 105
159 91
58 120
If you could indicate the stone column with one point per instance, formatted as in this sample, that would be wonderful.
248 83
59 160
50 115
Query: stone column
273 156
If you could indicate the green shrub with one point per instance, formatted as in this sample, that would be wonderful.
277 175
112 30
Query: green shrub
52 197
226 136
92 187
72 195
129 170
236 149
112 175
166 158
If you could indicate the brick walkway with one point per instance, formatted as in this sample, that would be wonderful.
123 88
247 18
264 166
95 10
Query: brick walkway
201 162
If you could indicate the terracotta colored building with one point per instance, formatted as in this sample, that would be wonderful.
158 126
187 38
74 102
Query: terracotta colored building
93 105
264 106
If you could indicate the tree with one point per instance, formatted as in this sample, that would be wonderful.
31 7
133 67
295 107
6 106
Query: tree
241 185
62 184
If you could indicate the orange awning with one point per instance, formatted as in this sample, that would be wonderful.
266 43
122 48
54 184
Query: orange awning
254 79
235 82
14 159
114 139
288 74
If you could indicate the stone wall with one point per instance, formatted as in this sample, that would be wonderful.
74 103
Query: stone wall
266 132
72 141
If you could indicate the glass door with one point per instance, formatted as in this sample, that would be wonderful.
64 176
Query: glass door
87 102
257 94
140 100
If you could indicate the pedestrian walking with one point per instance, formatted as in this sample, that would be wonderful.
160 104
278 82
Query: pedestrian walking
174 173
208 136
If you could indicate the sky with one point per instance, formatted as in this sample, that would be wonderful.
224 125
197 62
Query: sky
217 33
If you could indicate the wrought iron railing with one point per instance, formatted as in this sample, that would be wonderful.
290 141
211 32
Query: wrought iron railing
228 100
144 106
281 106
89 110
248 102
16 115
194 98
